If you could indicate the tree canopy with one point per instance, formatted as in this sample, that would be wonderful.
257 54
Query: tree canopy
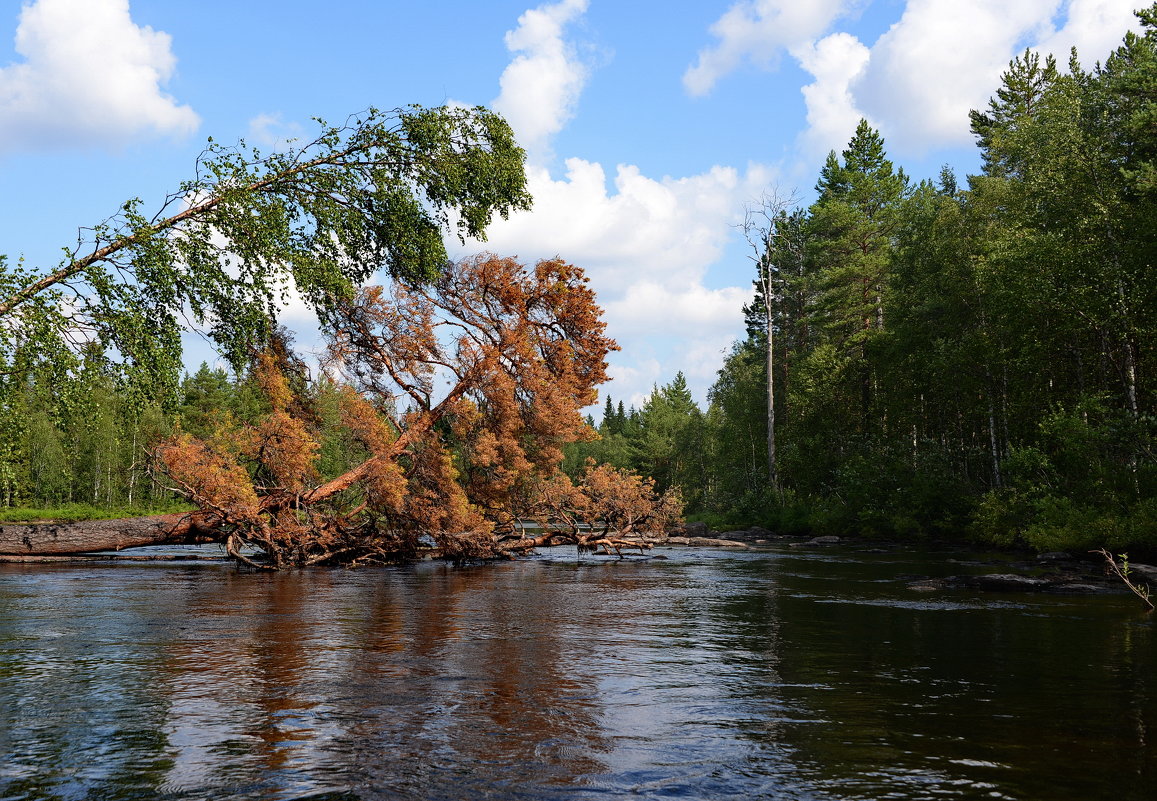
976 360
375 193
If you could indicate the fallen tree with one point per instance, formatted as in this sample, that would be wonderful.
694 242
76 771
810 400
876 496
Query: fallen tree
459 394
56 537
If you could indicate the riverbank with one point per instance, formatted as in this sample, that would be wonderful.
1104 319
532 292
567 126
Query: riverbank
981 568
964 566
76 512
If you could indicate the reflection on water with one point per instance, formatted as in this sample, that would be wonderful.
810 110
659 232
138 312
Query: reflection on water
754 675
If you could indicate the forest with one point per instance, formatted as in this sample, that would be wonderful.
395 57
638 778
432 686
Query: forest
952 359
944 358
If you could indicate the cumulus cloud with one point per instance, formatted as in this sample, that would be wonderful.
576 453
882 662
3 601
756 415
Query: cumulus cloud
632 383
756 31
651 307
1094 27
698 358
647 245
669 227
835 62
89 75
688 325
541 86
942 58
703 357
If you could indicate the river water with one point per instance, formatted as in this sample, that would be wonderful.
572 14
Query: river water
777 674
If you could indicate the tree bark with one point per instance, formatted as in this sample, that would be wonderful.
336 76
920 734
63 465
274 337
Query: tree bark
86 536
772 468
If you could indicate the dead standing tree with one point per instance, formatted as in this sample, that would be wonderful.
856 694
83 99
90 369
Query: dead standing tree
766 228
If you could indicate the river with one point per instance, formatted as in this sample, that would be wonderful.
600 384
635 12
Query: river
782 674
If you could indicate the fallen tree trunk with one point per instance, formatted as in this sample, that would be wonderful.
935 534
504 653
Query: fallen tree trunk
105 558
55 540
87 536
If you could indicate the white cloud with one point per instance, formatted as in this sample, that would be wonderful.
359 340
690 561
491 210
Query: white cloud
271 131
702 359
647 245
756 30
835 62
541 86
941 59
1094 27
671 227
89 76
632 383
648 307
688 326
698 358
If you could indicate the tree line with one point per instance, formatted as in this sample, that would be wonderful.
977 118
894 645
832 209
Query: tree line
921 358
86 442
942 357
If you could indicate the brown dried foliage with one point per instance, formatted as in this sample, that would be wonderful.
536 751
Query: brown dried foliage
462 394
621 500
609 508
209 476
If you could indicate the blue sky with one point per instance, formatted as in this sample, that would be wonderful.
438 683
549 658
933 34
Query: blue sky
650 124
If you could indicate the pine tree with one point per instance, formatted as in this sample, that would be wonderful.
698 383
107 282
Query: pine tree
850 233
1017 101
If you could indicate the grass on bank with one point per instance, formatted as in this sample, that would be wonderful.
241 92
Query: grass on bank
72 512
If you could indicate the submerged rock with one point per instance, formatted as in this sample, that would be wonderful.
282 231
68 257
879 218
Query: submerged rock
710 542
817 541
927 585
1013 582
1003 581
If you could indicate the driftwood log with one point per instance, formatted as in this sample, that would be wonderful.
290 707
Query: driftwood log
87 536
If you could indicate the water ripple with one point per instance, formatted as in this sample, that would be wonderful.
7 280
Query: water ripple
708 675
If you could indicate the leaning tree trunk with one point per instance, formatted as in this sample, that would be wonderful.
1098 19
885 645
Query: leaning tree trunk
86 536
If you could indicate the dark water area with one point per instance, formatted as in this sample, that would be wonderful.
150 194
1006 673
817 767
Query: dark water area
777 674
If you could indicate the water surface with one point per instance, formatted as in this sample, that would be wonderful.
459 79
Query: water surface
776 674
